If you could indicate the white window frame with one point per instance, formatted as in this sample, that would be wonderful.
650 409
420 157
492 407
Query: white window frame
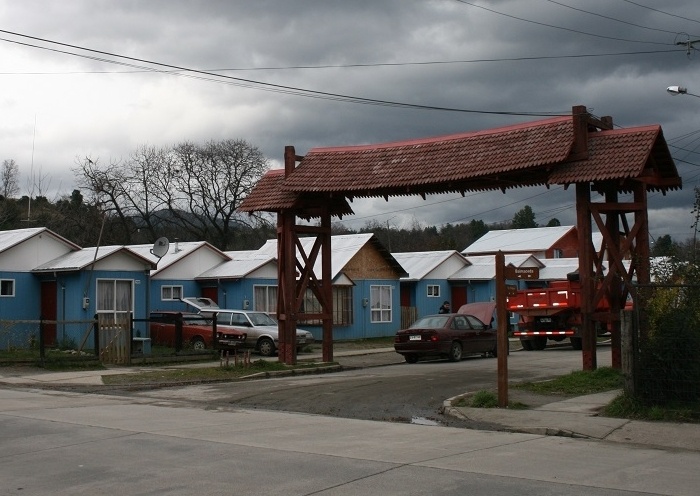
265 298
381 298
7 283
169 288
433 291
115 311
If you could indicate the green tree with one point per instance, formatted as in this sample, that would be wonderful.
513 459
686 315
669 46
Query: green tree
665 247
524 218
477 228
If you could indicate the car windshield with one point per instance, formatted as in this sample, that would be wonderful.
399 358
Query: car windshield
430 322
262 319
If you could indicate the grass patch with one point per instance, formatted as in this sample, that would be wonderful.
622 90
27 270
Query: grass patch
201 374
358 344
487 399
577 383
626 406
53 360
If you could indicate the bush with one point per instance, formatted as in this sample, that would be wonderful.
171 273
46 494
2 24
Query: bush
669 353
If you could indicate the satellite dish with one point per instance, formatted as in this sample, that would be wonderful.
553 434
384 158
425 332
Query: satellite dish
160 247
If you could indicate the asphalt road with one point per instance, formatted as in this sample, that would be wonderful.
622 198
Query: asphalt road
398 392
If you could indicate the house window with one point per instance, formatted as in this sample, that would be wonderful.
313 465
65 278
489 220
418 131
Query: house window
265 299
7 287
342 305
170 293
380 303
433 291
309 305
558 253
115 297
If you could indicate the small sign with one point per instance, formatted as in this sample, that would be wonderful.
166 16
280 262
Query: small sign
511 290
522 272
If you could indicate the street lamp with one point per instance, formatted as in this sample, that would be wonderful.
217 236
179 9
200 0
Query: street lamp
680 90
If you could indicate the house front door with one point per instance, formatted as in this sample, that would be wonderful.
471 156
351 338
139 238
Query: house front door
211 292
48 311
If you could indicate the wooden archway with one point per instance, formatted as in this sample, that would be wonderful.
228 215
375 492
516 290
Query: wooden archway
578 150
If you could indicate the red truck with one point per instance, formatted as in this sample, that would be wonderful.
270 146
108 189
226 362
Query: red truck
553 313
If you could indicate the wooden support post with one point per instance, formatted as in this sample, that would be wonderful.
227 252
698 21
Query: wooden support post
615 288
286 293
502 332
326 285
585 270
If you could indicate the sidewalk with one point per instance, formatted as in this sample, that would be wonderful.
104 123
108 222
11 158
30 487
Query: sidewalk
575 417
578 417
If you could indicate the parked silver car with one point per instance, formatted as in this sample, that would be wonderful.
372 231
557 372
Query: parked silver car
262 330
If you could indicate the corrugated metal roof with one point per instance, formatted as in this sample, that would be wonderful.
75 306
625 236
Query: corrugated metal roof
484 267
9 239
176 252
241 264
518 240
344 247
556 269
418 264
78 260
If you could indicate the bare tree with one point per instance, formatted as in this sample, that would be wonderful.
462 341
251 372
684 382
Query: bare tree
9 179
213 180
190 191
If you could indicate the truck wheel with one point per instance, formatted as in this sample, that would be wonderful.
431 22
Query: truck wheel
539 343
527 344
455 352
576 343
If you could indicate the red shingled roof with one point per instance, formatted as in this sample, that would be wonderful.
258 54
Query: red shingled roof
413 166
535 153
622 154
270 196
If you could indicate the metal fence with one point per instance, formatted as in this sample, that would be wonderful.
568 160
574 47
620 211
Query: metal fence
664 347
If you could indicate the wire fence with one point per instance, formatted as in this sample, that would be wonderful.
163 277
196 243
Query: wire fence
666 349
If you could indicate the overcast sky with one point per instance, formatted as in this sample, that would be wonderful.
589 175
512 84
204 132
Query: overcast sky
489 61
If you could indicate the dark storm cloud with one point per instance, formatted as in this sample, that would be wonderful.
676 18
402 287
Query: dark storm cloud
501 44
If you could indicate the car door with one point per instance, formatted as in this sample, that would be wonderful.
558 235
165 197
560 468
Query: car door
241 322
465 333
485 338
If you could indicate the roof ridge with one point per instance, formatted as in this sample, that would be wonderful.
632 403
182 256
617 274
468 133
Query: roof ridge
442 138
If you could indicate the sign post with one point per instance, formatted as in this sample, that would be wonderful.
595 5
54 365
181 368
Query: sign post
502 331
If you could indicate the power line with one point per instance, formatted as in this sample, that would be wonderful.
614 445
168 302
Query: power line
661 11
347 66
260 85
611 18
571 30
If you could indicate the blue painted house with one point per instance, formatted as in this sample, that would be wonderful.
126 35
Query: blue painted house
426 286
247 281
366 287
23 295
174 274
109 281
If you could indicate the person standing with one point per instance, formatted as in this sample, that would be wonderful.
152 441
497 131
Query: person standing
445 308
